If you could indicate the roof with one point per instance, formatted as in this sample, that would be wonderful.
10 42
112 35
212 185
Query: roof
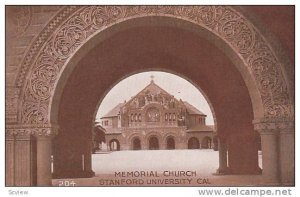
114 112
196 128
152 87
113 131
193 110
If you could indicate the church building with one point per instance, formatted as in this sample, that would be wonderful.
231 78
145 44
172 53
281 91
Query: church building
153 120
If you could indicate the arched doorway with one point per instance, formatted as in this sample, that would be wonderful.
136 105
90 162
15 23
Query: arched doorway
136 144
193 143
206 143
153 143
114 145
170 143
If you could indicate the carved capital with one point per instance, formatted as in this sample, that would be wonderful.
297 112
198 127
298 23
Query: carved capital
46 130
275 125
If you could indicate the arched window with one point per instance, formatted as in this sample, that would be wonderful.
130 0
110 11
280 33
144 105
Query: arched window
132 117
152 115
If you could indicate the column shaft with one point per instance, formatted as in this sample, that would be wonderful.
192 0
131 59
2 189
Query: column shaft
270 156
44 161
287 157
222 157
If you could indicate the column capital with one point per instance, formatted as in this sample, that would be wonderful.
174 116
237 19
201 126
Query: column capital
274 125
45 130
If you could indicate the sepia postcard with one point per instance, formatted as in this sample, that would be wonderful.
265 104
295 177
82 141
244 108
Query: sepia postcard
148 95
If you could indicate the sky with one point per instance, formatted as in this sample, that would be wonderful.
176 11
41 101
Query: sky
173 84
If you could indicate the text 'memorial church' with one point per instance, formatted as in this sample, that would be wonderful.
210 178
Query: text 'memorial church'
151 120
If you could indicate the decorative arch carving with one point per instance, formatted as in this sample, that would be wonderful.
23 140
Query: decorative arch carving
73 26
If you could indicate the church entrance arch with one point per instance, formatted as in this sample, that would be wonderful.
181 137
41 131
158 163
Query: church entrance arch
170 143
153 143
193 143
136 144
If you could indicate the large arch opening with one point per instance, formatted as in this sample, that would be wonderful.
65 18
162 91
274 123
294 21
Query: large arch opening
153 46
154 110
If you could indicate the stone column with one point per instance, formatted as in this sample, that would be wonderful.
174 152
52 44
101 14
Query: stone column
277 141
44 146
270 155
88 160
29 155
9 159
44 136
287 153
20 156
144 144
222 156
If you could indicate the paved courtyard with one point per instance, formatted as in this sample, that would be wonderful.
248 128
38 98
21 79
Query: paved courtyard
203 162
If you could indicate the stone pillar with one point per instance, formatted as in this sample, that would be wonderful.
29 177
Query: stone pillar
44 152
9 159
277 141
287 153
22 154
222 156
24 169
88 160
144 144
270 155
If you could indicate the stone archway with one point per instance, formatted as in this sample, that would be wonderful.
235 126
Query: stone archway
170 143
193 143
153 143
114 145
49 64
136 143
206 143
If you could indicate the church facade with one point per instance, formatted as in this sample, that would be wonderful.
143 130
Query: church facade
152 120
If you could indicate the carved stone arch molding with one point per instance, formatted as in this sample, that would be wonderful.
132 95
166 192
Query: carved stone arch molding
73 26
